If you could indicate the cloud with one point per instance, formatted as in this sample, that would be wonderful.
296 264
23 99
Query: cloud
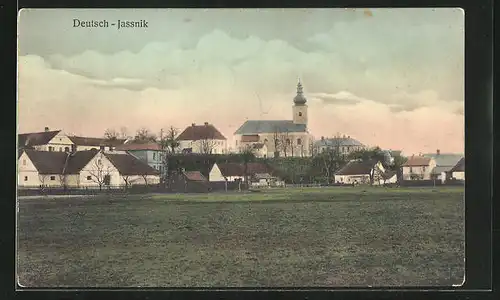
218 78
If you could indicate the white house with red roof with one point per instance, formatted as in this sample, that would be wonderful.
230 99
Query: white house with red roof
204 139
418 167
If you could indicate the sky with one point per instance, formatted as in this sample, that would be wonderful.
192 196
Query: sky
392 78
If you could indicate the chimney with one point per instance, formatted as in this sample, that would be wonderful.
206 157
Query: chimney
193 124
438 151
46 129
206 123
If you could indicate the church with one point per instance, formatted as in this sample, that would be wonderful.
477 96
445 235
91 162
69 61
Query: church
279 138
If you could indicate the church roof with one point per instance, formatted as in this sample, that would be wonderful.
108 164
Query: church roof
270 126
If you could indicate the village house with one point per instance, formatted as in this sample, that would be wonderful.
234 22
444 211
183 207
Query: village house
149 152
343 144
47 140
236 171
444 163
365 172
418 167
458 171
57 141
204 139
281 137
190 181
88 168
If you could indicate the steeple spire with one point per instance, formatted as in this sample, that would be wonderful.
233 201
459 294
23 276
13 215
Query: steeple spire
299 99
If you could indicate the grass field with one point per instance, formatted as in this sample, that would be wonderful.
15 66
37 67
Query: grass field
287 238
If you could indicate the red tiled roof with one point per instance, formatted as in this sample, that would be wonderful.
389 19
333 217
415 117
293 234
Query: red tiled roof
127 164
139 146
36 138
414 161
91 141
201 132
250 138
194 176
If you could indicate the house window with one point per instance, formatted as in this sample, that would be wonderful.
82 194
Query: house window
107 179
51 148
66 149
110 148
89 177
101 147
300 114
411 170
60 149
24 162
154 156
25 178
52 177
288 141
299 141
423 168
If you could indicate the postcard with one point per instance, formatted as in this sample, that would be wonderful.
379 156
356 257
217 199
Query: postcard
262 148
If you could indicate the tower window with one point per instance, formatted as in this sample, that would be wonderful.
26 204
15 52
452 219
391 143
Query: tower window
299 141
300 114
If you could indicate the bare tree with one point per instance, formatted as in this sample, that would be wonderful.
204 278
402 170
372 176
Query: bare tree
376 173
123 132
145 177
332 157
126 180
248 155
276 141
169 146
207 143
292 145
285 142
42 178
110 134
63 181
144 135
100 173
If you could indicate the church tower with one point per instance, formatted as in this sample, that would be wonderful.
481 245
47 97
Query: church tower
299 106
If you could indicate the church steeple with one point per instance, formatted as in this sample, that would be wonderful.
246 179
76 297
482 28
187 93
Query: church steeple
299 106
299 98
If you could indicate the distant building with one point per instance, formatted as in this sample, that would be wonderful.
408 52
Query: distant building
418 167
88 143
281 137
345 144
458 171
150 153
47 140
364 172
236 171
444 163
204 139
57 141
